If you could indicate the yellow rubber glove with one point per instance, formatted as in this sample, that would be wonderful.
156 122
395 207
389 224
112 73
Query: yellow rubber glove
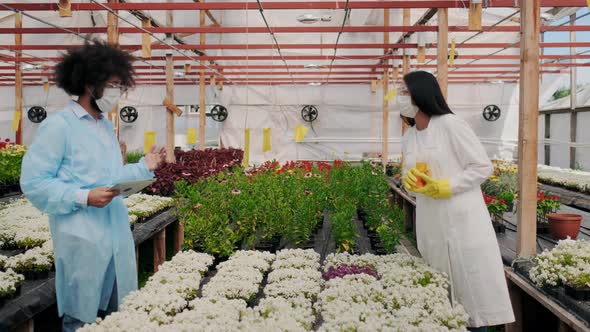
438 189
409 180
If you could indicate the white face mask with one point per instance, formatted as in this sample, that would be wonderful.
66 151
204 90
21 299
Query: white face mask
110 99
405 106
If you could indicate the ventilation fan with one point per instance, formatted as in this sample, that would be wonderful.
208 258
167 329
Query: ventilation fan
128 114
309 113
219 113
492 112
36 114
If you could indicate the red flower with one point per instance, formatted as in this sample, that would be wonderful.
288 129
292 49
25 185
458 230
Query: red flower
337 163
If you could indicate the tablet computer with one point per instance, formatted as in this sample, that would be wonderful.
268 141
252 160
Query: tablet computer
132 187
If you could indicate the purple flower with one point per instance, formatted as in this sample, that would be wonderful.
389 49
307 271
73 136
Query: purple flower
236 192
344 270
307 192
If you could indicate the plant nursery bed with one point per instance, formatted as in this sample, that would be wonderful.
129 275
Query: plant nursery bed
146 230
580 309
38 295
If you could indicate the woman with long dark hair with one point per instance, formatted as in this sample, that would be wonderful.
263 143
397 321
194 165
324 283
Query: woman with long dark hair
445 164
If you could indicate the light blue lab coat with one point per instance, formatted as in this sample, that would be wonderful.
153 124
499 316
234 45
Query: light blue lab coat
71 154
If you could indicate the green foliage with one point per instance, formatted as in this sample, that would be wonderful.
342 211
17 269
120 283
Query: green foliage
246 207
505 182
134 157
11 157
391 230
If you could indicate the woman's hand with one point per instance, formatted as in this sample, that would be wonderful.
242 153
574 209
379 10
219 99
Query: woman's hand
154 159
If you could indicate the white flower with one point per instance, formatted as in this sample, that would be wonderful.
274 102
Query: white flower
36 259
145 206
564 177
9 281
22 225
567 264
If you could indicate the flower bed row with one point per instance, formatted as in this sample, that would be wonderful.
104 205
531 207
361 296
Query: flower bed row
566 178
142 206
391 292
22 226
10 283
252 207
191 166
567 264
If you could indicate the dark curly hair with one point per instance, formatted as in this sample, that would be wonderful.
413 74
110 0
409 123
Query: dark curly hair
93 65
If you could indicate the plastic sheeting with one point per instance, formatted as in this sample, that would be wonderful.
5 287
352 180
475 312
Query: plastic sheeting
350 120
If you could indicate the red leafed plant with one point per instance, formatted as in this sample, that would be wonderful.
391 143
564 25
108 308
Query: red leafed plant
193 165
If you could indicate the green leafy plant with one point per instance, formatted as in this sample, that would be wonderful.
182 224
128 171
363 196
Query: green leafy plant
11 157
134 157
547 203
249 207
391 230
496 206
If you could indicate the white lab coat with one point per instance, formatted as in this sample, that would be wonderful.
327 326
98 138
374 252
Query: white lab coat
455 235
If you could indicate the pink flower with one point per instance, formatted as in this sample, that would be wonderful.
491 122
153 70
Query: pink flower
318 176
223 180
307 192
198 206
308 175
236 192
186 174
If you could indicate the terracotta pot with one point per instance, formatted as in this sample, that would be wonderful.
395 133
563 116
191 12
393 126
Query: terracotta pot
563 225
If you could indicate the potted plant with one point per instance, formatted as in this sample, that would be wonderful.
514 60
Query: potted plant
496 207
546 204
10 285
564 225
508 196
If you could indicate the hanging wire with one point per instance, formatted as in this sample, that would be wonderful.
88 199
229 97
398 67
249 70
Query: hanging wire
63 29
261 10
347 11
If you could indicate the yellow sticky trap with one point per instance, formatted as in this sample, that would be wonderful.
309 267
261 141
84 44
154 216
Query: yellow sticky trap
588 3
191 136
246 159
266 140
149 139
46 87
16 120
390 95
300 132
452 53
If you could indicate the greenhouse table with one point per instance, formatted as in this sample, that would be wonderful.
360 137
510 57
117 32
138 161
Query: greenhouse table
39 295
518 284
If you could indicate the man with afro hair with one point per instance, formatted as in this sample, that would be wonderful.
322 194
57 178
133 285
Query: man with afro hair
67 173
